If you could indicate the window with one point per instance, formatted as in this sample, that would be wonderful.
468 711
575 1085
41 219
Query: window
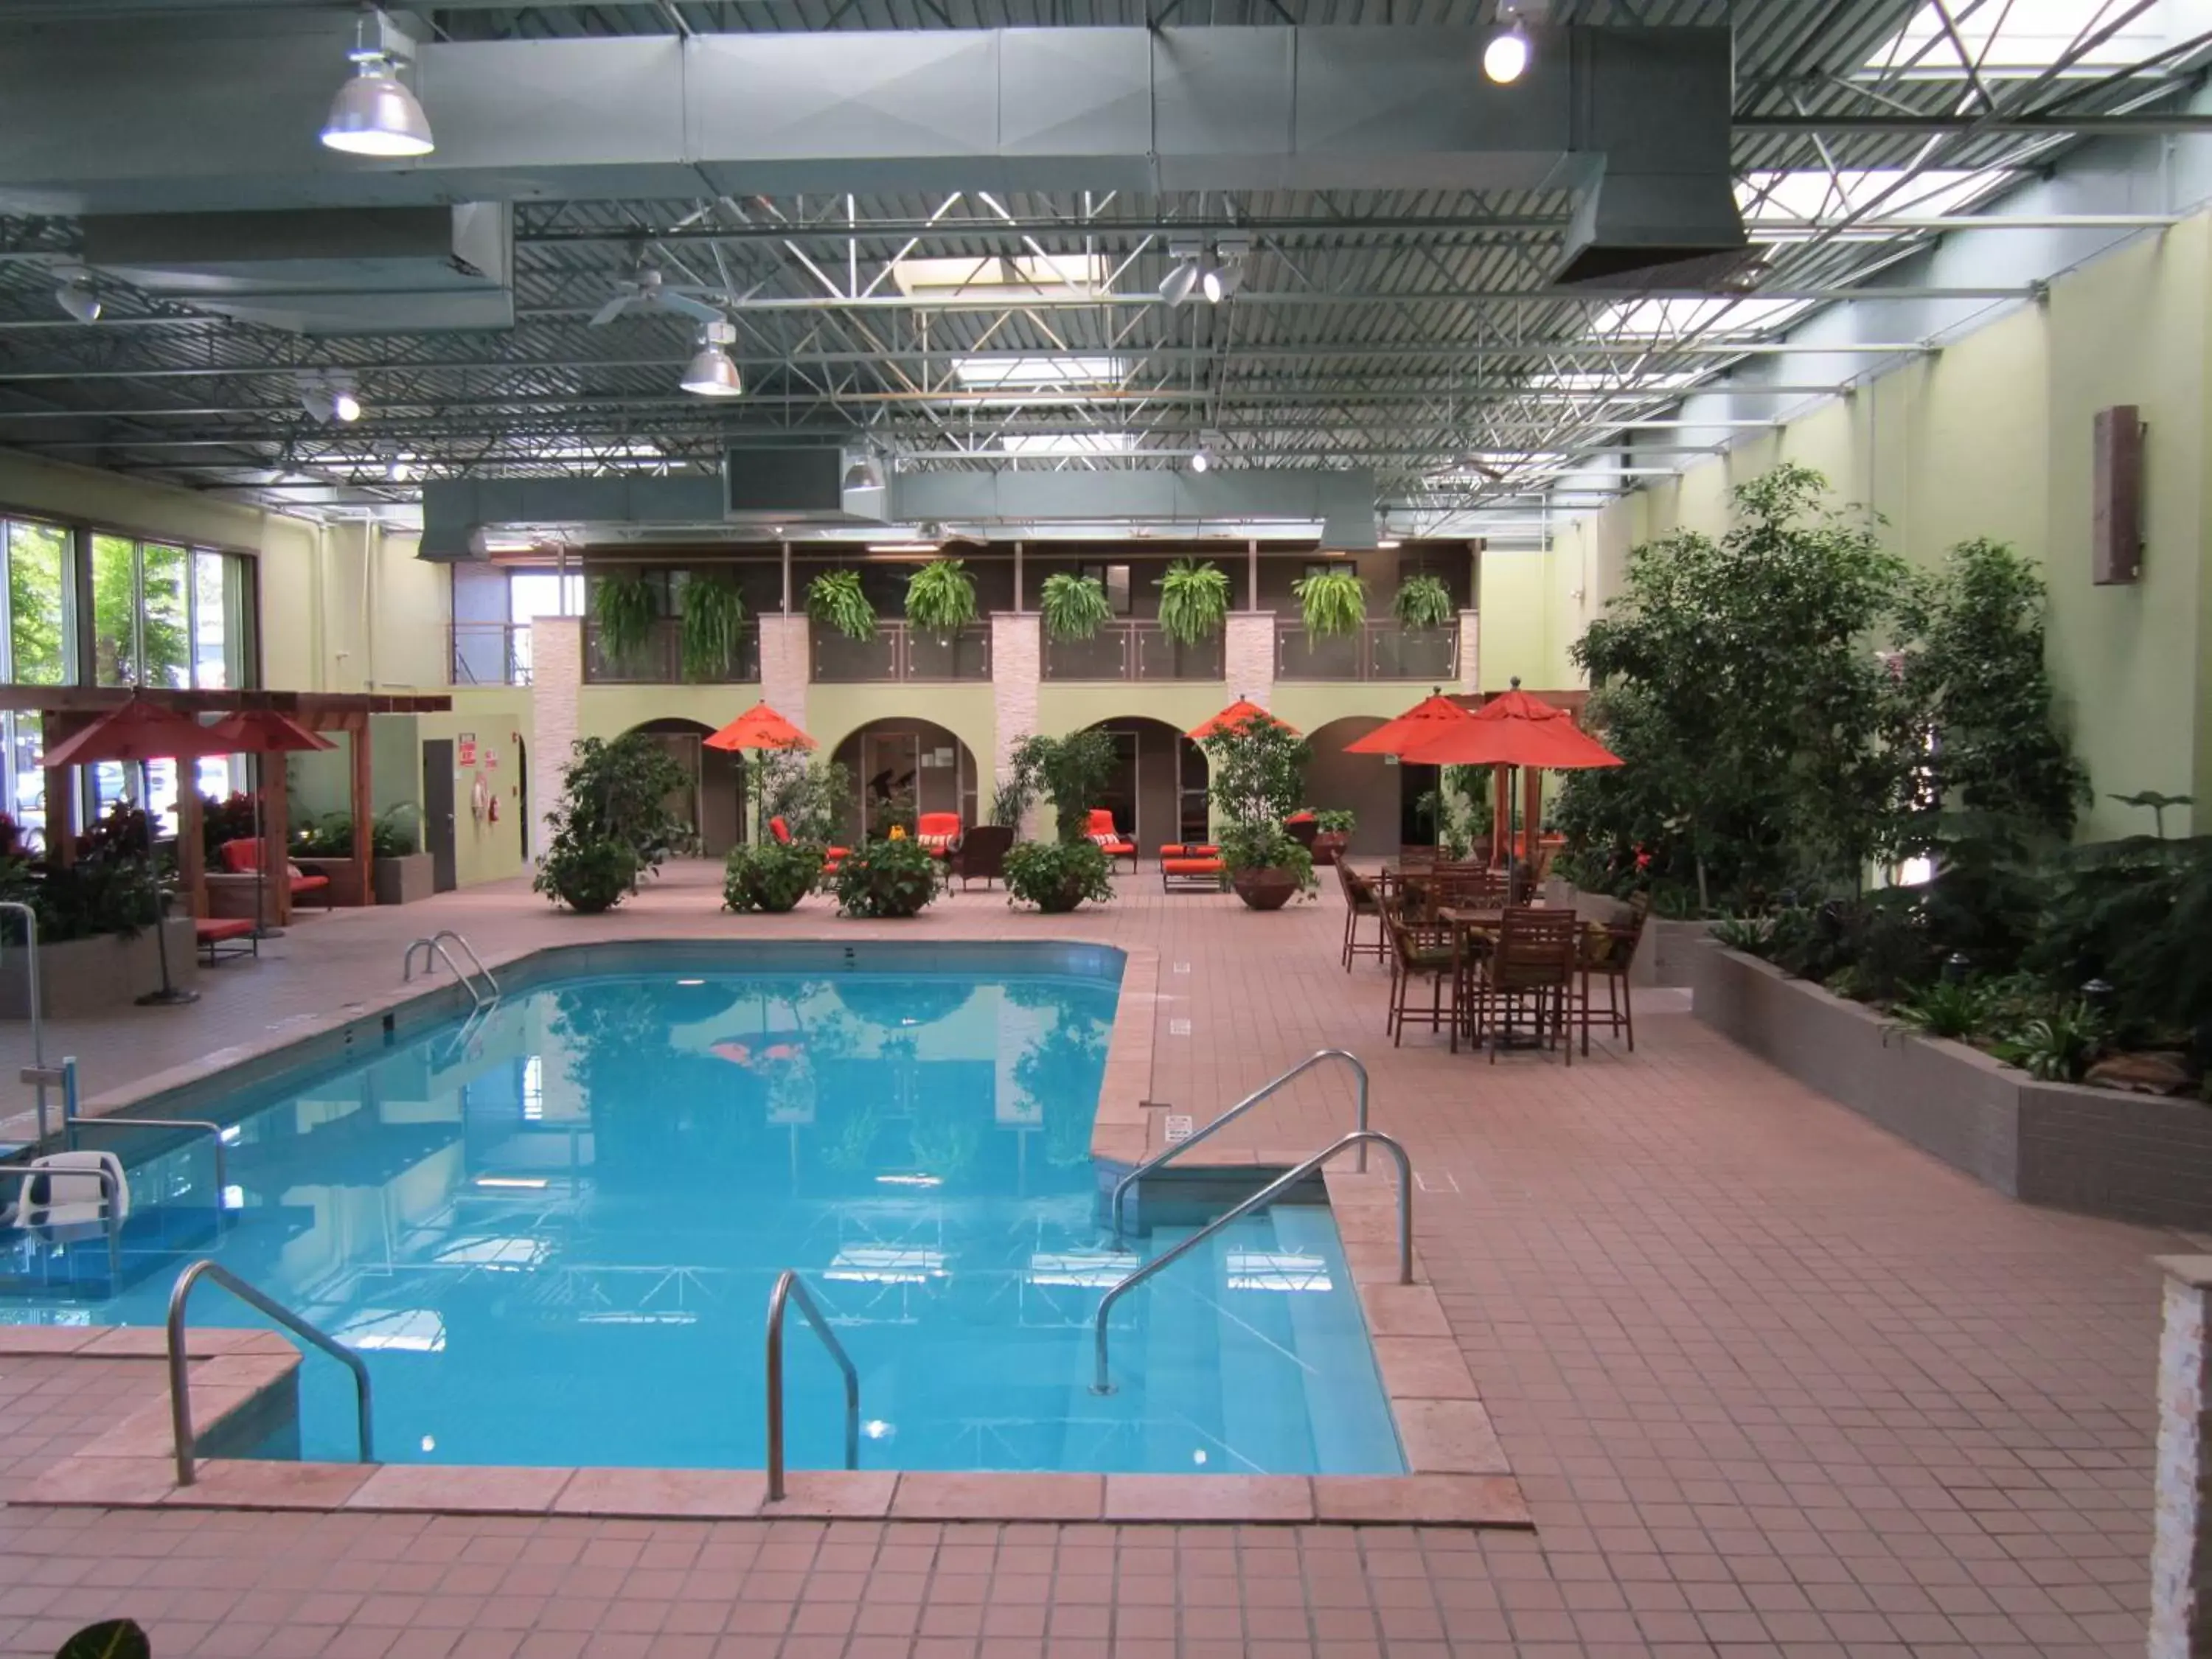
1114 579
2016 38
1783 206
38 647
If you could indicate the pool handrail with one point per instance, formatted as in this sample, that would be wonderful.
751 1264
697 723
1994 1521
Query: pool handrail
1168 1154
790 1287
36 1073
198 1125
111 1201
1102 1382
435 942
180 1392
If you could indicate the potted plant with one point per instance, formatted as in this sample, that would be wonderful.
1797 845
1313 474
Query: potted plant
1332 602
835 600
713 617
1259 767
1422 602
770 876
1057 876
97 948
894 877
940 598
1073 607
613 826
398 872
624 608
1194 601
1333 833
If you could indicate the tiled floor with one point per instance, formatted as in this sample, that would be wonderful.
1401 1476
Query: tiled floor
1774 1383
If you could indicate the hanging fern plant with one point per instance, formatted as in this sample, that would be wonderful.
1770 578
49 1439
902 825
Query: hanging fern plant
1194 601
1423 601
1333 601
940 597
625 608
713 617
1073 607
835 600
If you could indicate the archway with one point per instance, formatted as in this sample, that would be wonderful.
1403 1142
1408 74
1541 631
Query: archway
902 768
1376 789
1158 793
712 799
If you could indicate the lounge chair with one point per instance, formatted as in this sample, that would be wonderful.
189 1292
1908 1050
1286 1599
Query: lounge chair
1111 842
225 936
831 856
938 833
1192 867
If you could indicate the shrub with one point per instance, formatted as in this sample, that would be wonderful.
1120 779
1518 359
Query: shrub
814 797
2057 1047
713 618
1057 876
886 878
1331 602
769 876
1073 607
1335 821
613 821
230 818
835 600
1958 1009
588 875
1267 846
1194 601
1071 772
1423 601
940 597
625 609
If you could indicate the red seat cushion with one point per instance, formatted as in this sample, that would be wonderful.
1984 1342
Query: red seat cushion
241 857
780 830
1188 849
1191 866
208 930
309 884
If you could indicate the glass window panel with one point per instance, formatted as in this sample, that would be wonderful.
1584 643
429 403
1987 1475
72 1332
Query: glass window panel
27 781
38 633
212 665
114 610
165 630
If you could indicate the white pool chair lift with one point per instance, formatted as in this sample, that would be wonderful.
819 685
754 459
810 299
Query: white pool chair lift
63 1197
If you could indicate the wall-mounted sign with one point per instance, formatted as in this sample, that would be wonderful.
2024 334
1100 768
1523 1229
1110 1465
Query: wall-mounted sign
465 745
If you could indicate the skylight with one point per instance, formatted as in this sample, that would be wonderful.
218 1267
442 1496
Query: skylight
1667 319
2010 39
1037 275
1776 204
1059 445
1044 370
1620 386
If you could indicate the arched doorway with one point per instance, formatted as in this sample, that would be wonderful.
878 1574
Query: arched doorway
902 768
1376 789
712 800
1158 791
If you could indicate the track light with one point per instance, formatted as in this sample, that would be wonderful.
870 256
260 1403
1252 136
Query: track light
75 297
1209 444
1180 281
1506 57
710 373
373 114
395 469
343 403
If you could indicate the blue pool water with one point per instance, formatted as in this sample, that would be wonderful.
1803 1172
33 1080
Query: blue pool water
552 1238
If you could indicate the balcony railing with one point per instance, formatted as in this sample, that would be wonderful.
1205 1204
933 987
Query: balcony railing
1132 651
1381 650
901 653
488 653
657 659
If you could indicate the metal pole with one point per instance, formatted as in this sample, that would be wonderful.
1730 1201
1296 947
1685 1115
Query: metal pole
37 1073
787 1286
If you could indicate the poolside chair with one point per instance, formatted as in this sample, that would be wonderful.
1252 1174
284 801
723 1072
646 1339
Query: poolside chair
242 867
982 854
1360 901
938 833
1608 950
1419 950
1191 866
1530 968
65 1198
1110 841
832 856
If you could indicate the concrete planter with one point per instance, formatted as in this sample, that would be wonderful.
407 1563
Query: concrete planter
1666 953
408 879
94 975
2128 1158
343 892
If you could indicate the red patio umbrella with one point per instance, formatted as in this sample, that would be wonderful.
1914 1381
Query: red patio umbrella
258 731
1417 724
760 728
1514 729
1240 714
138 732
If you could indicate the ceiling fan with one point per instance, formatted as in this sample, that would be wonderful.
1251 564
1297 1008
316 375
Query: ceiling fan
647 291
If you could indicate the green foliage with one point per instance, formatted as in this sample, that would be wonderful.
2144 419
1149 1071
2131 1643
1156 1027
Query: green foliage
1267 846
118 892
1336 821
1010 800
835 600
1193 600
1752 935
940 597
1056 876
814 797
886 878
1423 601
330 835
1459 809
1332 601
2057 1047
2158 803
1880 939
1738 680
770 876
38 556
1073 607
230 818
112 1639
137 643
625 609
1258 771
1071 772
1958 1009
613 826
713 617
2136 914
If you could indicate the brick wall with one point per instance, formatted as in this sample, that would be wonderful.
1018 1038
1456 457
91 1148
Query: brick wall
1470 651
2181 1545
1249 655
556 676
786 665
1017 665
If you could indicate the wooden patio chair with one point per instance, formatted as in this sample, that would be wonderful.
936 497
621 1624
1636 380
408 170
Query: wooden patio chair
1419 950
1360 901
1608 949
1530 968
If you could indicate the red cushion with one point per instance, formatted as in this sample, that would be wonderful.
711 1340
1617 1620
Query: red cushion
937 823
1191 866
310 884
1188 849
208 930
839 852
780 830
241 857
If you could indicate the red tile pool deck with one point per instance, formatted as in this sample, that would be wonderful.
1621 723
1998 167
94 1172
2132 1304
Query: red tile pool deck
1771 1381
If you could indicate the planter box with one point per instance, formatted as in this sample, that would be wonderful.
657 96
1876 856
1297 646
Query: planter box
94 975
344 893
405 880
1667 953
2128 1158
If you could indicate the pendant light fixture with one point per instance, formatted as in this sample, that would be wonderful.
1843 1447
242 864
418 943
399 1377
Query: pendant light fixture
710 373
374 113
1505 59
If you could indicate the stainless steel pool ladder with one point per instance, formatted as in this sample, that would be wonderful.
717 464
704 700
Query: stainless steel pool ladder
1102 1382
38 1073
483 994
180 1392
1270 1087
789 1288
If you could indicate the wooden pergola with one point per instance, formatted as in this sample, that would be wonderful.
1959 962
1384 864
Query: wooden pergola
65 710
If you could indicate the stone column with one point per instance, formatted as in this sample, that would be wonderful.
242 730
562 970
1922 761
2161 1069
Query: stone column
556 677
1017 667
1247 655
1470 651
786 665
2181 1541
